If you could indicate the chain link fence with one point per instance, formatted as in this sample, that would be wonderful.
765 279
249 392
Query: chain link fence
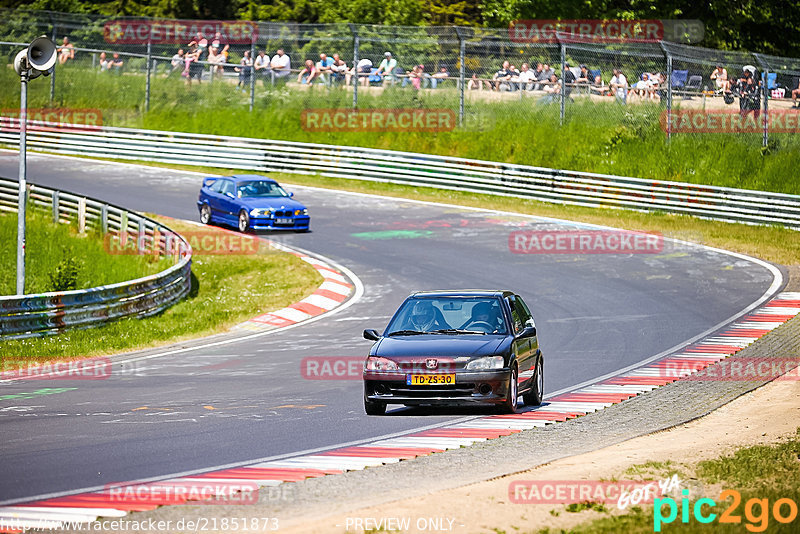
474 75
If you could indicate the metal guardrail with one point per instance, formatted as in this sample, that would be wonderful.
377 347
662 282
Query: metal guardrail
443 172
50 313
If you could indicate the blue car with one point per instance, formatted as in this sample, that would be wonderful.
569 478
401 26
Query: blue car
250 202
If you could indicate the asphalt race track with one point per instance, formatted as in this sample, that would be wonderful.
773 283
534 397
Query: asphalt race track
596 313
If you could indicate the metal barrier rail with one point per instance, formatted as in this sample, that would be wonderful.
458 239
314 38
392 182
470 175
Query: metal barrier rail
443 172
50 313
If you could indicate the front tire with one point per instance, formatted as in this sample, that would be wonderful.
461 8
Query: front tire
534 396
205 214
510 403
244 221
374 407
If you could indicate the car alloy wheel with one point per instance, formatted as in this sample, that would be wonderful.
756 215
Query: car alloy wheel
244 221
534 396
205 214
510 404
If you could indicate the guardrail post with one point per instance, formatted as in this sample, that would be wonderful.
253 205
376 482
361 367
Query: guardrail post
669 92
123 228
563 81
147 81
356 81
56 214
462 54
765 141
140 239
252 71
104 218
81 215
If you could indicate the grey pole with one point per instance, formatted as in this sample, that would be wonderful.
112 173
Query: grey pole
53 74
147 82
23 130
563 80
252 72
766 108
669 97
356 44
462 54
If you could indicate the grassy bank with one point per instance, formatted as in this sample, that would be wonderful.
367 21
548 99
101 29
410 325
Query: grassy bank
58 258
602 137
765 473
227 289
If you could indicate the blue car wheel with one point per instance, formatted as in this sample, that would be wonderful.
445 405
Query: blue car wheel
244 221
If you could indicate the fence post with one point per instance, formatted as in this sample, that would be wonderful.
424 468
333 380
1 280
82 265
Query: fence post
462 49
669 90
563 80
142 235
53 74
81 215
766 107
147 82
252 71
356 81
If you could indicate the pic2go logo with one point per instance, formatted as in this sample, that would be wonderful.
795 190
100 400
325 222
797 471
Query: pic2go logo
756 511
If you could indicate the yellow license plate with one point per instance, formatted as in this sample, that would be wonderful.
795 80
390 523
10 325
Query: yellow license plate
430 380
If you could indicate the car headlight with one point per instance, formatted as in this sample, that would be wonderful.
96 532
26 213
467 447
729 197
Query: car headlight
303 211
487 362
256 212
375 363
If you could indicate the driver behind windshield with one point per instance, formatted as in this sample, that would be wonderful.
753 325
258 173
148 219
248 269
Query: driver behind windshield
423 317
483 313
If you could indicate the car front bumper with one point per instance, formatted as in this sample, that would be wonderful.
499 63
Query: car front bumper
266 223
471 387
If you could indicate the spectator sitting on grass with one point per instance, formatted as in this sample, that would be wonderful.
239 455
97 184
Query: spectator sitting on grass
360 72
219 47
387 66
280 65
338 69
599 86
217 60
526 77
619 86
474 83
552 90
178 62
308 74
439 77
569 79
795 94
116 64
720 77
502 78
585 77
66 52
245 70
324 67
542 76
103 62
413 77
261 66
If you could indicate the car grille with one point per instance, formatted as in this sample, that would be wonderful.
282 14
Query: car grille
283 213
439 390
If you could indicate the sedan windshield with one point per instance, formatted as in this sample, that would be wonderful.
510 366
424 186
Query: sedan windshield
448 315
260 189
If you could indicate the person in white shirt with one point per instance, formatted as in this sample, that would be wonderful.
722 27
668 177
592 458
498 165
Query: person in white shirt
526 77
281 66
619 86
261 67
360 72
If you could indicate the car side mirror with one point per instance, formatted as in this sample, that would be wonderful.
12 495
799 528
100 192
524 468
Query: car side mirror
529 331
371 334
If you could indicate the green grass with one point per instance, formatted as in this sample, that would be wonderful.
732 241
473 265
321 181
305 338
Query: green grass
49 246
769 472
597 137
227 289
